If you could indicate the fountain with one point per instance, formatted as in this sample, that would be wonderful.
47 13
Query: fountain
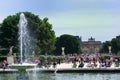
25 47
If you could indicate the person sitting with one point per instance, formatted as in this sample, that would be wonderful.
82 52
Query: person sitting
54 64
89 64
95 64
103 64
74 65
81 65
4 64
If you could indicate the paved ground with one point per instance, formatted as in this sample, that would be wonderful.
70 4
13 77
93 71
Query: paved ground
69 68
70 65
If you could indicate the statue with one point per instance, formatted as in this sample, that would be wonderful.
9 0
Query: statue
109 47
11 50
10 58
63 52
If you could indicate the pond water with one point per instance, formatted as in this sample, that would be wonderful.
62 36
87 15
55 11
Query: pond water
64 76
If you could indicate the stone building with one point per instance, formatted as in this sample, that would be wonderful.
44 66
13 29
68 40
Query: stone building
91 46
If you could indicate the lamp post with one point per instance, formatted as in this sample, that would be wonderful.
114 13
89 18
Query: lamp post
63 50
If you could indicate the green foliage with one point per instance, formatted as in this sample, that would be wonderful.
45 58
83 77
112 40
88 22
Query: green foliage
118 53
105 47
46 39
40 30
8 32
70 43
51 58
114 43
0 25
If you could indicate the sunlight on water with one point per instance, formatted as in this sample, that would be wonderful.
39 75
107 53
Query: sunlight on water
65 76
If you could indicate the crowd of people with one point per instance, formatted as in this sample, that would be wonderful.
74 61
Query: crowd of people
78 61
92 60
4 64
86 60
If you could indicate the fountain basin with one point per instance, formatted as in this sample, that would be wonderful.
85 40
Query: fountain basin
22 67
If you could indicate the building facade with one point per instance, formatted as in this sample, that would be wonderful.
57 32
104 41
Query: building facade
91 46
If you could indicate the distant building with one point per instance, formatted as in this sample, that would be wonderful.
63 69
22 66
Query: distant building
91 46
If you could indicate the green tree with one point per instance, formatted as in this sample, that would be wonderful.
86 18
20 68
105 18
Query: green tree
115 45
8 33
105 47
40 30
0 25
70 43
46 37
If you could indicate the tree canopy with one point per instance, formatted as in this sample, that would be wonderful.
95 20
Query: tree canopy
114 43
40 29
105 47
70 43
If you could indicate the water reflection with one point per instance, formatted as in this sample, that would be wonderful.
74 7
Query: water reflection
8 76
64 76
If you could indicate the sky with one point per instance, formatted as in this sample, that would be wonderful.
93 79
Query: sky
97 18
